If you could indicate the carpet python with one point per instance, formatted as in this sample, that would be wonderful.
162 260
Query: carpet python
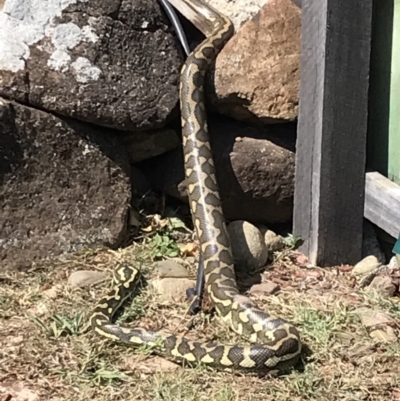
275 344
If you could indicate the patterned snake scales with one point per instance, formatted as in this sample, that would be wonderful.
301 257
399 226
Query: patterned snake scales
275 343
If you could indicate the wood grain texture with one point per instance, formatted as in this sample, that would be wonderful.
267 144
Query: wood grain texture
382 203
331 142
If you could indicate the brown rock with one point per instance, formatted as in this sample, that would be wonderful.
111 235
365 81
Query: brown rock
255 170
63 186
257 73
114 63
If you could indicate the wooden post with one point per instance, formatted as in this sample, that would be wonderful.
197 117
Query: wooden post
331 142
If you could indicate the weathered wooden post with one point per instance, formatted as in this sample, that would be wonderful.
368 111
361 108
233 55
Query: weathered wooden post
332 127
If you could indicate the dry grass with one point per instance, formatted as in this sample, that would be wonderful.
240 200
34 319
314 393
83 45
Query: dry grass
45 354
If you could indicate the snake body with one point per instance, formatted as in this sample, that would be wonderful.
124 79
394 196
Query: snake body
276 343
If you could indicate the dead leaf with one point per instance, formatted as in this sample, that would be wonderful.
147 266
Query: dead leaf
189 249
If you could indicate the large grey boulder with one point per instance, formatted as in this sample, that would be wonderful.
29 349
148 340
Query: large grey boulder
113 63
63 186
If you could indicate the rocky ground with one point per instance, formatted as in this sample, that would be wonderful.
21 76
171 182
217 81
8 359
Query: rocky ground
90 146
350 334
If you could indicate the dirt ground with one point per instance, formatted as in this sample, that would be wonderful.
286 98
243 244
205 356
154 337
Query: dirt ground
352 351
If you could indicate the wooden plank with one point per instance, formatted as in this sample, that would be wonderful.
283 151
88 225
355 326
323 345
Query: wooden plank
331 142
382 203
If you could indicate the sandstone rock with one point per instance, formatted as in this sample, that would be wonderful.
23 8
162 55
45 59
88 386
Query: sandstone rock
257 73
63 186
249 250
113 63
145 145
255 168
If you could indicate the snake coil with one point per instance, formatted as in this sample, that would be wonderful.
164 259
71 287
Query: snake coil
275 343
